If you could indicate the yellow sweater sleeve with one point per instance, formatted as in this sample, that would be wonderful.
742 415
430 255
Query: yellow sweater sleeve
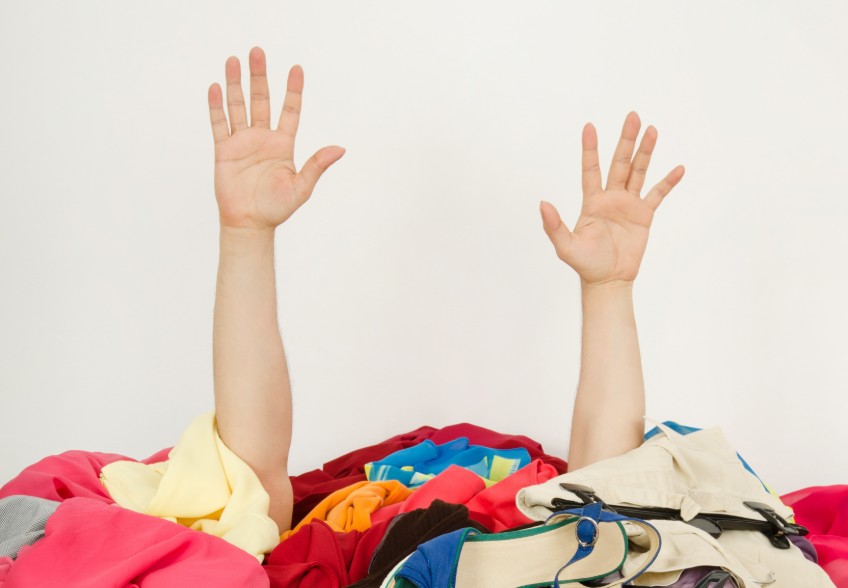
203 485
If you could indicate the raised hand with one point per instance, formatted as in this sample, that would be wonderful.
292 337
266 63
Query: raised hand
256 183
609 238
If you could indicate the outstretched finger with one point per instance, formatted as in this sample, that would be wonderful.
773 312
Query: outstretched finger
556 230
220 130
235 98
260 100
311 171
643 158
620 166
590 163
290 116
661 190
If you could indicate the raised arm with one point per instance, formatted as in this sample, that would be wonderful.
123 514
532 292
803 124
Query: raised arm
257 188
606 249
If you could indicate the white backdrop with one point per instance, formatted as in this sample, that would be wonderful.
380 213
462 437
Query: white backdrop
417 286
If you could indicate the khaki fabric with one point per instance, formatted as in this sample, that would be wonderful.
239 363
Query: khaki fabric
694 473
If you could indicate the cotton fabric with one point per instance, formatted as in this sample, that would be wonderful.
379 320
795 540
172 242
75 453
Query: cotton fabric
202 485
22 521
695 473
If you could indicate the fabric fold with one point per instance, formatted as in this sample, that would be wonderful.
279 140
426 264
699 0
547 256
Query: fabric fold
203 485
695 473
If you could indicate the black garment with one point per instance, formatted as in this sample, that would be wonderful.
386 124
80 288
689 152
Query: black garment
407 531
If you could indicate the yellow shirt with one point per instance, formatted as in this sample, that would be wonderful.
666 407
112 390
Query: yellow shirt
203 485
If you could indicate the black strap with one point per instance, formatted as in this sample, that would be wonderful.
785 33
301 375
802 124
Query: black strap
715 579
775 527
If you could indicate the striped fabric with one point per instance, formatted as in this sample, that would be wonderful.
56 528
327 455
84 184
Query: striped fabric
416 465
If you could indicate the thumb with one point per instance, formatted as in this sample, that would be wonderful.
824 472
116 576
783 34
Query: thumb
312 170
556 230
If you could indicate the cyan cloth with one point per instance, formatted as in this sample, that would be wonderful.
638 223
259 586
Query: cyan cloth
417 464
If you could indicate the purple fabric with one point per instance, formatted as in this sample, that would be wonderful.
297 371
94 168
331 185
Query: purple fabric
806 546
693 576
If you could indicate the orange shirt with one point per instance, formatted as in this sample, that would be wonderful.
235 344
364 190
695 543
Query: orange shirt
350 508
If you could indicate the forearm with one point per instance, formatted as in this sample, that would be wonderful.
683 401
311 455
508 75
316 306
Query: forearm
610 402
252 390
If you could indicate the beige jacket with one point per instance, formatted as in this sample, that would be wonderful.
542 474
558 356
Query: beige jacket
694 473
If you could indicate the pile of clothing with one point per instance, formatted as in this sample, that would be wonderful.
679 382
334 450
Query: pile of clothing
196 515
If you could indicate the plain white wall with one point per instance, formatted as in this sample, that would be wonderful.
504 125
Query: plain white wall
417 286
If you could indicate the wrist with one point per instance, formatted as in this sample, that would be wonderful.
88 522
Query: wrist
234 233
607 295
241 243
625 286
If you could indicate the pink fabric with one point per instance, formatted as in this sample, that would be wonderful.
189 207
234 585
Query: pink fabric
824 511
455 485
492 507
70 474
495 506
89 544
5 566
67 475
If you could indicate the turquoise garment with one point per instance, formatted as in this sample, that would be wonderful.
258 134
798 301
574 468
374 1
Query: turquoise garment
415 465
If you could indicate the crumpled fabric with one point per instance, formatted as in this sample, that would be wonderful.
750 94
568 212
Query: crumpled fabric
22 521
319 557
695 473
91 544
313 486
350 509
824 511
417 464
72 474
203 485
493 507
409 530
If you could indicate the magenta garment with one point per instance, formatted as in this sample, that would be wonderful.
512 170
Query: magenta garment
5 566
70 474
824 511
90 544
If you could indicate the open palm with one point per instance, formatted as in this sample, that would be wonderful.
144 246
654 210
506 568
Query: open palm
610 237
256 183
